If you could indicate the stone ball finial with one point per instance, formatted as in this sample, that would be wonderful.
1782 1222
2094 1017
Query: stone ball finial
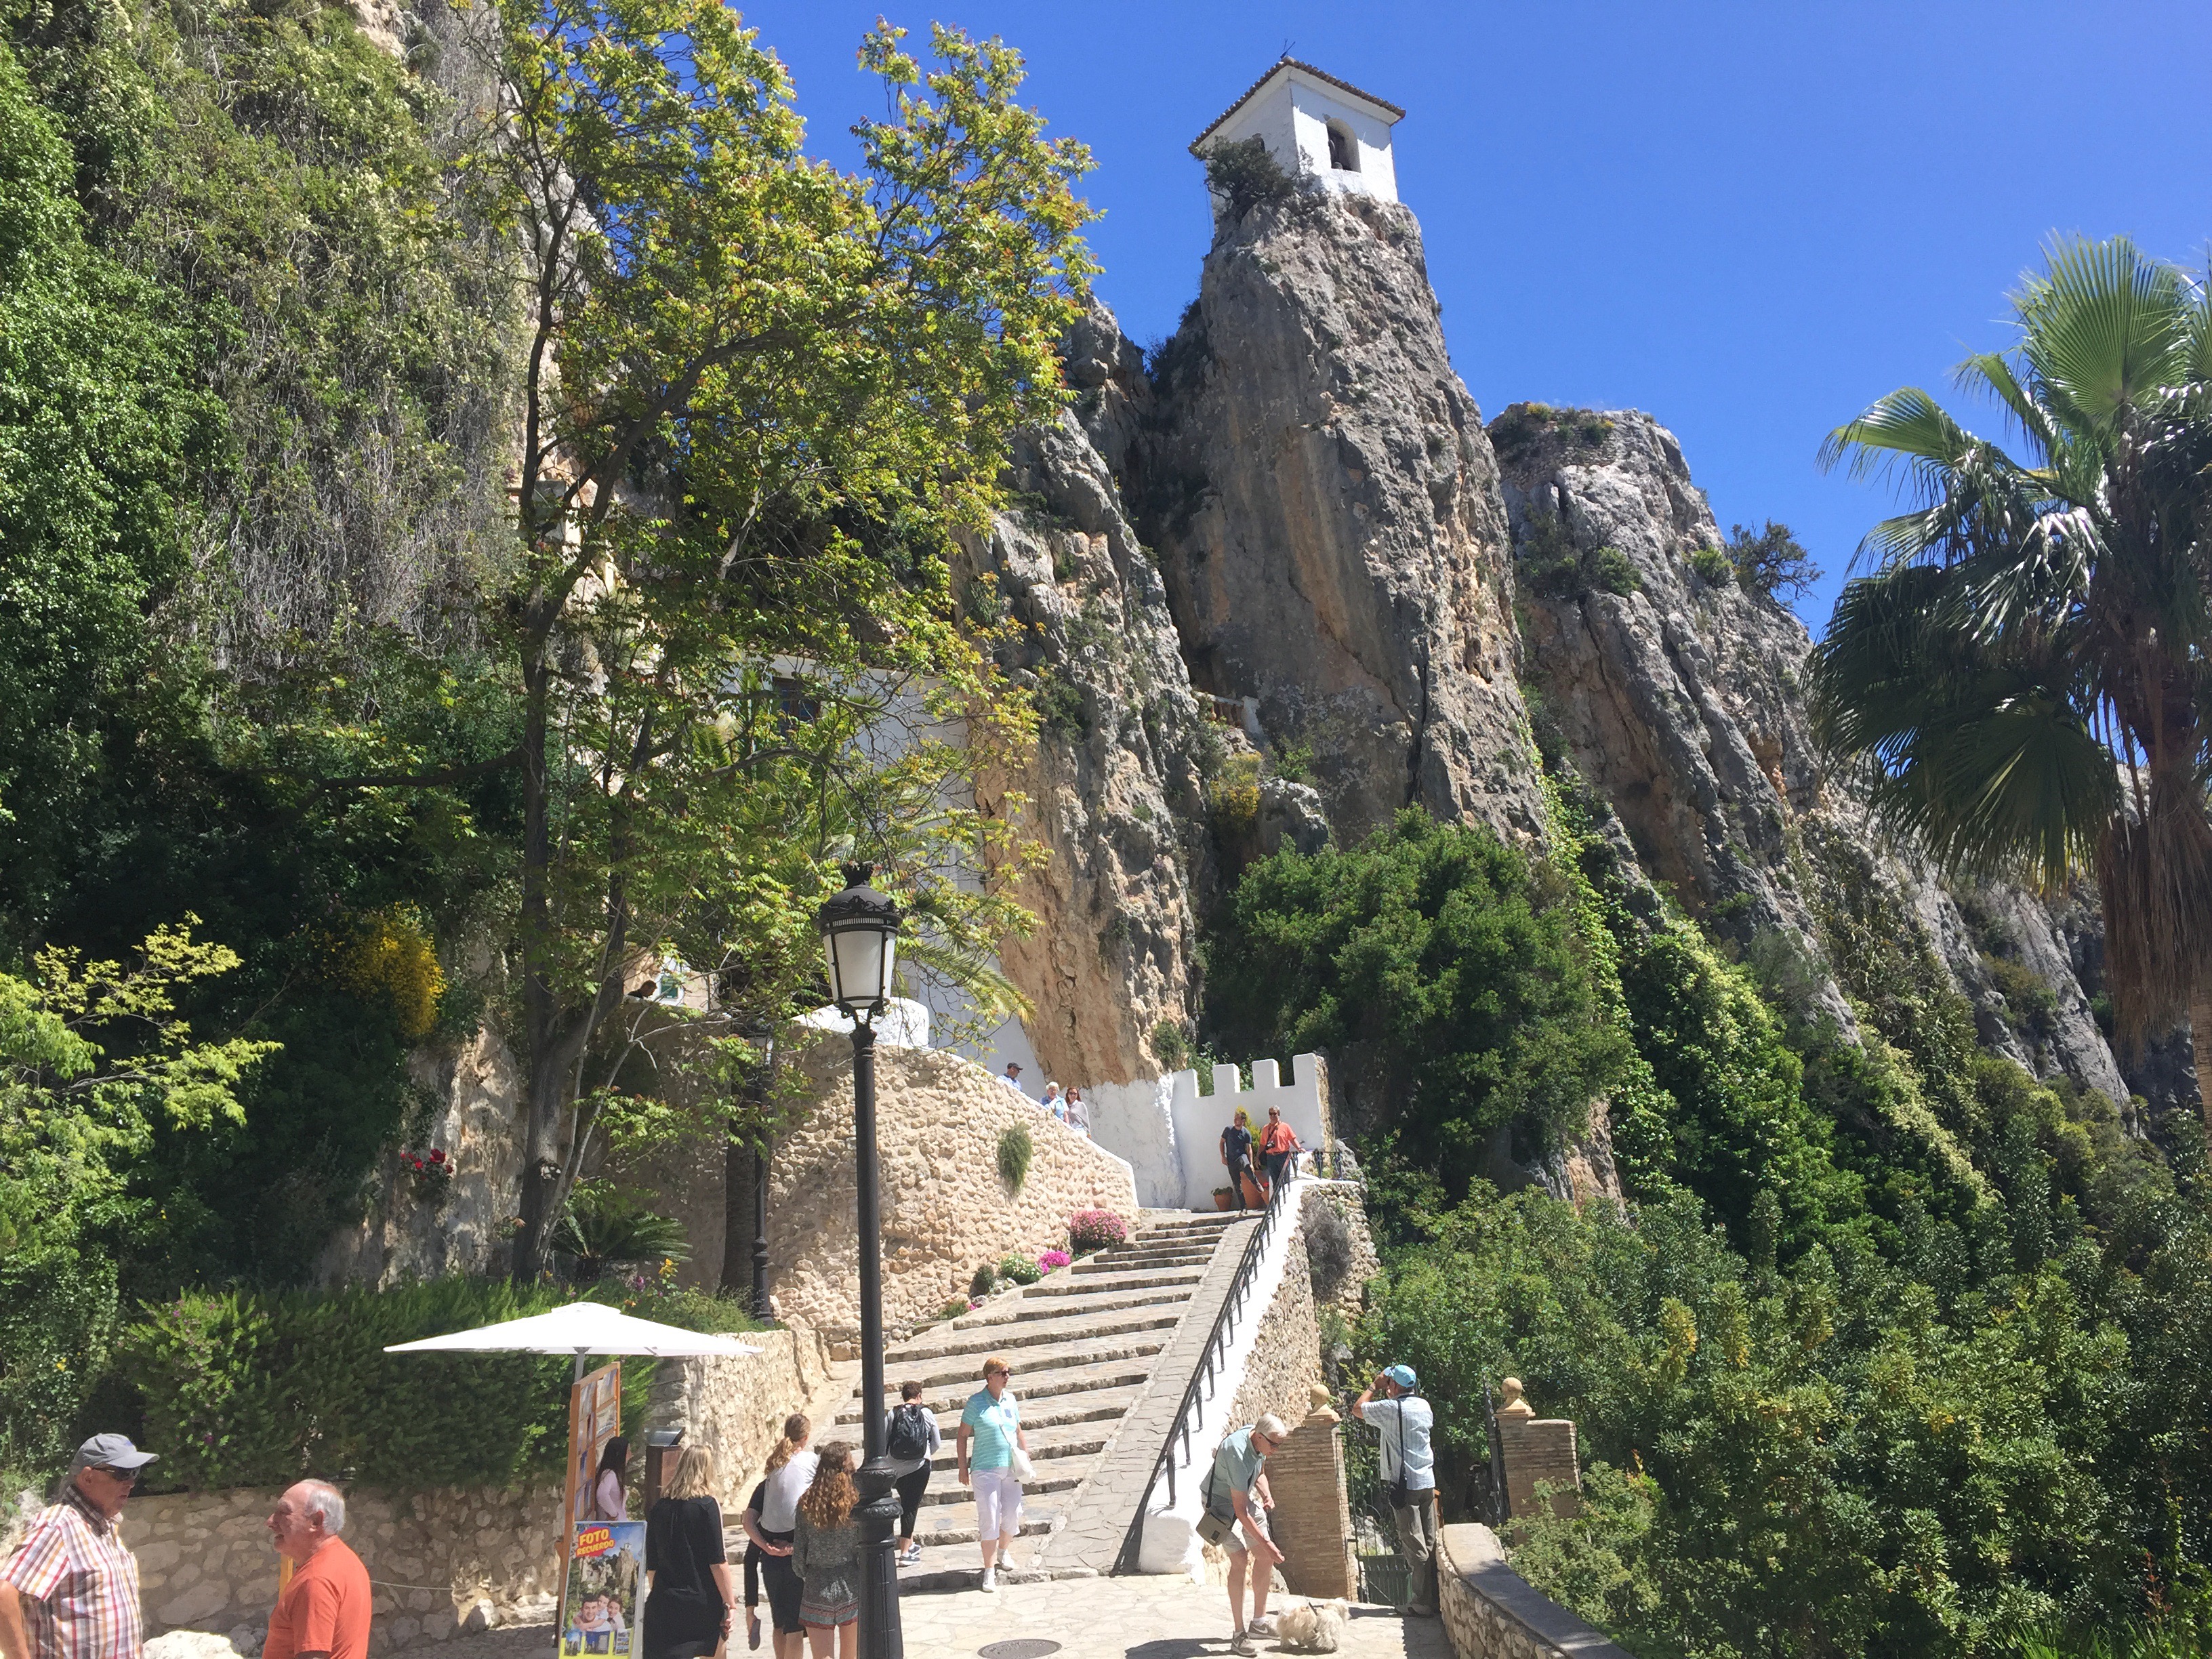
1514 1405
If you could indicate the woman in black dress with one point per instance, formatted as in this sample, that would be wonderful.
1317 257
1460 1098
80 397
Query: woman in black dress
688 1596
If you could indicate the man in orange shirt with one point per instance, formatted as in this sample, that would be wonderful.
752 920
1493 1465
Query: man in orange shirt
323 1613
1279 1147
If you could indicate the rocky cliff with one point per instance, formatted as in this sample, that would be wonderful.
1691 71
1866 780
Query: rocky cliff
1322 497
1115 788
1673 690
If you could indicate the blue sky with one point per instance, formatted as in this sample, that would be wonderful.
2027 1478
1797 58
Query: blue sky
1751 220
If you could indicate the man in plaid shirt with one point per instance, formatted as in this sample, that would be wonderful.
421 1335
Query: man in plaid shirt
71 1590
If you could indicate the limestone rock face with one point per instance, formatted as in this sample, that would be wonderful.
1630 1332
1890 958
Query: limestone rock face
1320 491
1679 701
1115 788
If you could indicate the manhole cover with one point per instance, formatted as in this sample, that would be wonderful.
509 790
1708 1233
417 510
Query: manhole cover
1028 1647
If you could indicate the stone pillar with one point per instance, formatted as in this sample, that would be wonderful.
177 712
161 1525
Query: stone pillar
1537 1449
1312 1521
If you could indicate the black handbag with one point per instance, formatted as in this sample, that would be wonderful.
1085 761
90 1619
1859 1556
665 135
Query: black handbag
1401 1495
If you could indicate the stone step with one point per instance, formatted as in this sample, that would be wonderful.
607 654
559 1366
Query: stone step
1064 1355
1182 1279
1075 1378
1138 1261
1040 1303
944 1487
1092 1407
1051 1328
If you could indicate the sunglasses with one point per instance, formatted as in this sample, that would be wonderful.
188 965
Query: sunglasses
127 1477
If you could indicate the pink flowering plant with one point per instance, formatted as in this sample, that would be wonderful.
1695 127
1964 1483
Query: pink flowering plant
1096 1229
1052 1259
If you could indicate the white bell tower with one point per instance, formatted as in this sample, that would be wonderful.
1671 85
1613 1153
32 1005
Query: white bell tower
1319 128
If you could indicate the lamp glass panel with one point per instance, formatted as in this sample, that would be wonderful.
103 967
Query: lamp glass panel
858 966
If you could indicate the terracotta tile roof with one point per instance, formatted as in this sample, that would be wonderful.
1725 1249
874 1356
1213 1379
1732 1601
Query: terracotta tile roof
1274 69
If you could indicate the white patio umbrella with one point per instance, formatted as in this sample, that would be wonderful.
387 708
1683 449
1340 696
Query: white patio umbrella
579 1329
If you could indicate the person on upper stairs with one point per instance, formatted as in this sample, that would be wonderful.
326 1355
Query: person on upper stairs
1053 1103
1279 1147
1236 1153
1405 1422
1012 1080
1078 1114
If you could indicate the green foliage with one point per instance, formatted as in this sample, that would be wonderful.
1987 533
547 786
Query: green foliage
983 1281
1245 176
2033 1005
1458 957
1712 565
1019 1270
1770 561
240 1389
1809 1459
1016 1149
604 1225
1294 761
1555 567
1524 433
1171 1045
2033 628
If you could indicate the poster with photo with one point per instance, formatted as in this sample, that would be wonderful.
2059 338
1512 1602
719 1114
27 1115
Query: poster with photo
606 1580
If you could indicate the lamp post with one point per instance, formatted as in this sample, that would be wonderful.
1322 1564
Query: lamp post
860 938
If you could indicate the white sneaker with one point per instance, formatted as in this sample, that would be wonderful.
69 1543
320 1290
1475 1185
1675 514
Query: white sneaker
1262 1626
1243 1644
990 1580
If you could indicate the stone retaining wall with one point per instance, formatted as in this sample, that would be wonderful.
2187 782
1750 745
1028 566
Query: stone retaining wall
442 1561
205 1561
1490 1611
736 1408
946 1211
1285 1357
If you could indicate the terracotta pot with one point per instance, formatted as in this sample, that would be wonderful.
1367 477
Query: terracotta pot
1223 1198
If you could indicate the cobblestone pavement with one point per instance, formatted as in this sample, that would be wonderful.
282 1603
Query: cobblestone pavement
1151 1618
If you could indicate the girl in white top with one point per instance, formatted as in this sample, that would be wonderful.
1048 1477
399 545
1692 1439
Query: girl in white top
791 1469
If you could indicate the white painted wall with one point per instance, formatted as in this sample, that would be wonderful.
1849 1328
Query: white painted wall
1292 114
1135 1122
1199 1119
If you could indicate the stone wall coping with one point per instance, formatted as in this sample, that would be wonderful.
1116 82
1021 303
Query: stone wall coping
1472 1551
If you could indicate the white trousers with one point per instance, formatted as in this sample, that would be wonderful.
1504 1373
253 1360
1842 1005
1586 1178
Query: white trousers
998 1504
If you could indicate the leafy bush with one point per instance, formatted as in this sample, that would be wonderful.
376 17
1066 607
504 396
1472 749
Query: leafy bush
604 1225
1771 561
1711 565
237 1389
1328 1250
1556 568
1246 175
955 1308
1294 761
1016 1149
982 1282
1096 1229
1019 1270
1171 1044
1459 959
2033 1004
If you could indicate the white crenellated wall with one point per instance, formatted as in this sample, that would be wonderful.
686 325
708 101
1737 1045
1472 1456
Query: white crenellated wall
1199 1119
1170 1135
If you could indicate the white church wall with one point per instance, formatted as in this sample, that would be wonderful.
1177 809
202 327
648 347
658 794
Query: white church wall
1199 1119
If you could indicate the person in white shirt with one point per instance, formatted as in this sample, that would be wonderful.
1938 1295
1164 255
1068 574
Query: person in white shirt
1409 1472
791 1469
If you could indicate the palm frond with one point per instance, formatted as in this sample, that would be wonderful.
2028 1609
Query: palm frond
2101 327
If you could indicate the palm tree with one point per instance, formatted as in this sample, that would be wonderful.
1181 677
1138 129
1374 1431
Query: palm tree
2023 673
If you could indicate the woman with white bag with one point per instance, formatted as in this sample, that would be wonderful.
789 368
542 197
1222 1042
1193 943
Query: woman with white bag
997 1466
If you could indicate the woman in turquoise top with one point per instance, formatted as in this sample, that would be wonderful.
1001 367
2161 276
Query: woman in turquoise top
993 1420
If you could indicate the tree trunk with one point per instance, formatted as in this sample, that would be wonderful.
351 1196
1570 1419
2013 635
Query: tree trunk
542 1115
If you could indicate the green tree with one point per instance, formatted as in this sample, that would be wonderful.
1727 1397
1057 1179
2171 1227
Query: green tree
757 396
2024 672
1455 956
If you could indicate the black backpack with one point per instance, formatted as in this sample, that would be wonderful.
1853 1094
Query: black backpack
909 1436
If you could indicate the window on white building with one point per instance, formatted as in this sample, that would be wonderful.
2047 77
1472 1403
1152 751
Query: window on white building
1343 148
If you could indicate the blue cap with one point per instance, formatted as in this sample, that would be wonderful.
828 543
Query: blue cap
1402 1375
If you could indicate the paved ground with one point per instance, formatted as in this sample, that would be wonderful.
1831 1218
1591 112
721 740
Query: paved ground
1089 1618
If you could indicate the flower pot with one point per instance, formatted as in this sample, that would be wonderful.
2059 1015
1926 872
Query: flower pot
1224 1197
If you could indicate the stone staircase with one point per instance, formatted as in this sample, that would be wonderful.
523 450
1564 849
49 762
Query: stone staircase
1083 1343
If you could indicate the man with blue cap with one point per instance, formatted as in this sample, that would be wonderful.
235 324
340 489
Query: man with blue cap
1409 1475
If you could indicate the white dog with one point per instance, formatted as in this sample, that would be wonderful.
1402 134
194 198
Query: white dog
1311 1627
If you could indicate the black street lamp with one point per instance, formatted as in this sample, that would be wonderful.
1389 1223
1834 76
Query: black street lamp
859 937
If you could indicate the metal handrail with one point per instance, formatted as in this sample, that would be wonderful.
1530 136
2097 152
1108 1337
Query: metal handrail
1215 1350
